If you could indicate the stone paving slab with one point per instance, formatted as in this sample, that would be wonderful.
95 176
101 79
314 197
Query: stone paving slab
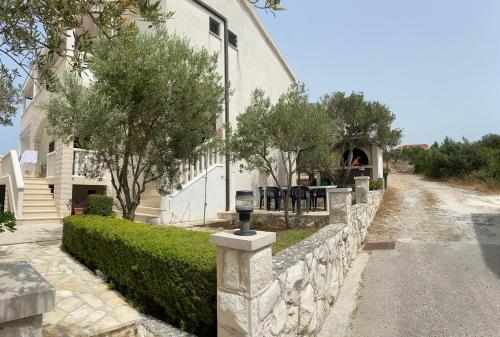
32 233
84 304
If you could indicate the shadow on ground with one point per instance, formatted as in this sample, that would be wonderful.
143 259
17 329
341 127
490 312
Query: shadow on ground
487 229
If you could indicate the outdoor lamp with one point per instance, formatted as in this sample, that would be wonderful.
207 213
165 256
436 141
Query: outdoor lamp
362 171
244 207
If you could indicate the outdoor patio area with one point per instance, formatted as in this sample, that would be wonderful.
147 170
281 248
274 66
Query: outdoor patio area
84 303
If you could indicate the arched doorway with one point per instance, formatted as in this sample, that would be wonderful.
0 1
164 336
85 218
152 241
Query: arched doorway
359 157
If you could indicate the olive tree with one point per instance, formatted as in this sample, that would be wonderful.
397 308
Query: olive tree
271 137
151 102
360 121
32 34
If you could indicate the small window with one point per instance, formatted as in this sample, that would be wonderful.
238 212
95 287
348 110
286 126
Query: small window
214 27
232 39
51 147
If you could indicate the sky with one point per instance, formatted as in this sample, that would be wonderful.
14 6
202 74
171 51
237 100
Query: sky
436 64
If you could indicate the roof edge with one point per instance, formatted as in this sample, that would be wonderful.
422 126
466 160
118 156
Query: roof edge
268 38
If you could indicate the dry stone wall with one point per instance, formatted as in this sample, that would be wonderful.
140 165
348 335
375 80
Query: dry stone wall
307 277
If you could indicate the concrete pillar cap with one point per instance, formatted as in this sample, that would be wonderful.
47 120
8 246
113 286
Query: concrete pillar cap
340 190
248 243
362 178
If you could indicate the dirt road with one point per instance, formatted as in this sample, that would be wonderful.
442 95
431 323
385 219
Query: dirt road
443 277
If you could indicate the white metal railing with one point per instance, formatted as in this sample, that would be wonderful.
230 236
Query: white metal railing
190 171
51 164
11 175
82 160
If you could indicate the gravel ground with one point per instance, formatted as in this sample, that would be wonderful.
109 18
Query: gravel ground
443 277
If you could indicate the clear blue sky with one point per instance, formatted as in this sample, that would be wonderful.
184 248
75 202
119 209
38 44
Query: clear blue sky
436 64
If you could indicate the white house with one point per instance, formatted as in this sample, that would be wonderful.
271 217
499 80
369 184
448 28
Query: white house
248 59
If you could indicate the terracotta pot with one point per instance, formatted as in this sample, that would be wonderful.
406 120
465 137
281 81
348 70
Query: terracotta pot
78 211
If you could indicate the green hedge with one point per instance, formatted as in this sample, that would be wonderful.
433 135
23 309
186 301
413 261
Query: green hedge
376 184
168 272
99 204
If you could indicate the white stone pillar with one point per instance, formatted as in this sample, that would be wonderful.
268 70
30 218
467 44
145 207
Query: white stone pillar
244 271
340 201
361 188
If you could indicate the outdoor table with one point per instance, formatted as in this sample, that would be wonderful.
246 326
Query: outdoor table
323 187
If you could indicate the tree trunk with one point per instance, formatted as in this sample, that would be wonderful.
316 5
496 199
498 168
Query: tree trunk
129 213
287 200
349 164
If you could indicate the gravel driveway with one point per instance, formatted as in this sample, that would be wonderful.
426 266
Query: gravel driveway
443 277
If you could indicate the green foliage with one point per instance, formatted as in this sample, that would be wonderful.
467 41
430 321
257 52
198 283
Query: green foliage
408 153
169 272
9 96
271 137
290 237
29 27
376 184
7 222
360 122
462 159
99 205
152 101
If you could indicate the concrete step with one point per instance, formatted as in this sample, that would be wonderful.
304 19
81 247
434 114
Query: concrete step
46 213
154 211
38 197
35 181
39 221
147 218
45 191
38 208
36 187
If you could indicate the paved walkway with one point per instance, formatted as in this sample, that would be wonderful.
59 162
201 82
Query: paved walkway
84 304
442 278
31 233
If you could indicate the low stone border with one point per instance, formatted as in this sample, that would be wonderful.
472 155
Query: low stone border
307 276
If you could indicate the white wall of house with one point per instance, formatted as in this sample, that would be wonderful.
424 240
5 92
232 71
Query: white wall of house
187 204
254 63
378 162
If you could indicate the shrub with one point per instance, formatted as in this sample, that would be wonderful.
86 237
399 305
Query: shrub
7 221
168 272
99 205
376 184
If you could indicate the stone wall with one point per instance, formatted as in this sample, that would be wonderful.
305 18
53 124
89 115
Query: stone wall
307 276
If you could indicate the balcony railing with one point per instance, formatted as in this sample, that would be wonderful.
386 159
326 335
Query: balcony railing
83 160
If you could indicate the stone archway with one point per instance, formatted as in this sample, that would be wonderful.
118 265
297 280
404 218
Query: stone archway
40 142
359 157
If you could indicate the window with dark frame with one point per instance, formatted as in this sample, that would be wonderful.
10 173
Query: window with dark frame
51 147
214 27
232 39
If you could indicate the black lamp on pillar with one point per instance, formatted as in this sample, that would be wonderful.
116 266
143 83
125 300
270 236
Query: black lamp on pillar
244 207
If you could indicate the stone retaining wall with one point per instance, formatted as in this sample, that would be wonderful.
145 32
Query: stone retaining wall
307 276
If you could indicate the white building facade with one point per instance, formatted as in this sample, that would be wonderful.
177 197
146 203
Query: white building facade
249 60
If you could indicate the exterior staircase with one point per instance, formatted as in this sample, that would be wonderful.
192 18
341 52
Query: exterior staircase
149 210
38 203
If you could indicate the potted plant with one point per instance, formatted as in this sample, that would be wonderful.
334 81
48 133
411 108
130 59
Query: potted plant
79 207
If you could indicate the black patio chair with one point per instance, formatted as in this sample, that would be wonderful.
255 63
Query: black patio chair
319 194
301 193
261 197
273 193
